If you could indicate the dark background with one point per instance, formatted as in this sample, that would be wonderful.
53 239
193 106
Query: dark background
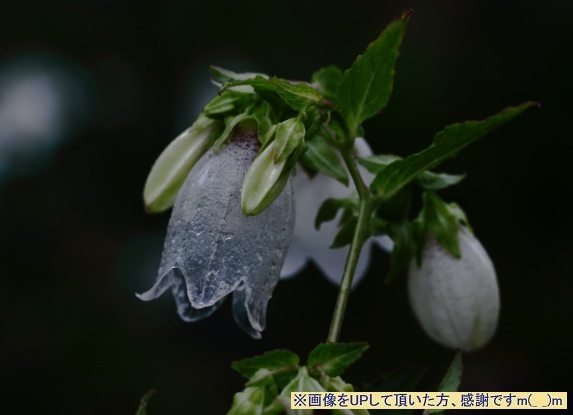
75 243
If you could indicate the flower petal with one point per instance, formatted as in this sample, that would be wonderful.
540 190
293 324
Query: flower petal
212 248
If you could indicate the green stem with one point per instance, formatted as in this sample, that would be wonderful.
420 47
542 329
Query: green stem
364 214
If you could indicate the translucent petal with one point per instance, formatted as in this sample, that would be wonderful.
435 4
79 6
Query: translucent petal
215 246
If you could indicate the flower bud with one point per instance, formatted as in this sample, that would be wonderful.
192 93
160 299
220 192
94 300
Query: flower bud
263 182
289 136
455 300
173 165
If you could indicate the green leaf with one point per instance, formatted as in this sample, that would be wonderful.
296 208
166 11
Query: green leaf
297 96
451 380
427 180
333 359
447 143
330 207
275 359
346 232
320 157
142 410
326 80
289 135
435 181
366 87
404 379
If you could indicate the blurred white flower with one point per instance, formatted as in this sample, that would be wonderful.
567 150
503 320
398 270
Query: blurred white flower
212 249
40 100
314 245
455 300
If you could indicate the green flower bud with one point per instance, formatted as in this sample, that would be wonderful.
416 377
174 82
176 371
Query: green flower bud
289 136
455 300
173 165
263 182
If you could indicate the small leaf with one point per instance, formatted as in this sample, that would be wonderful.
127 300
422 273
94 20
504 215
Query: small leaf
346 232
447 143
289 135
451 380
366 87
142 410
175 162
438 220
326 81
274 359
222 75
297 96
435 181
333 359
329 209
320 157
404 379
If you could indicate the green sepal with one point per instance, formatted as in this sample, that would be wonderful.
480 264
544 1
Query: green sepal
142 410
289 135
254 400
223 104
320 157
403 251
451 380
337 384
332 359
440 221
175 162
366 87
303 382
447 143
243 119
326 81
262 113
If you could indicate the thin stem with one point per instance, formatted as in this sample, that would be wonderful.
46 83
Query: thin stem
355 246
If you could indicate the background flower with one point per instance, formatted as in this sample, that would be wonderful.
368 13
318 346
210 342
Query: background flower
308 243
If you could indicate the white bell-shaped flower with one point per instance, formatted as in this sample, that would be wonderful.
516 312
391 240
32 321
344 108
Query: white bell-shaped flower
455 300
213 249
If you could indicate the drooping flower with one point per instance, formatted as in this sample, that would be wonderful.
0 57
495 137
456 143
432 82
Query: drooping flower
213 249
455 300
311 244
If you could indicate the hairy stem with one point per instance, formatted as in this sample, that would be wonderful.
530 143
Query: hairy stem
355 246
